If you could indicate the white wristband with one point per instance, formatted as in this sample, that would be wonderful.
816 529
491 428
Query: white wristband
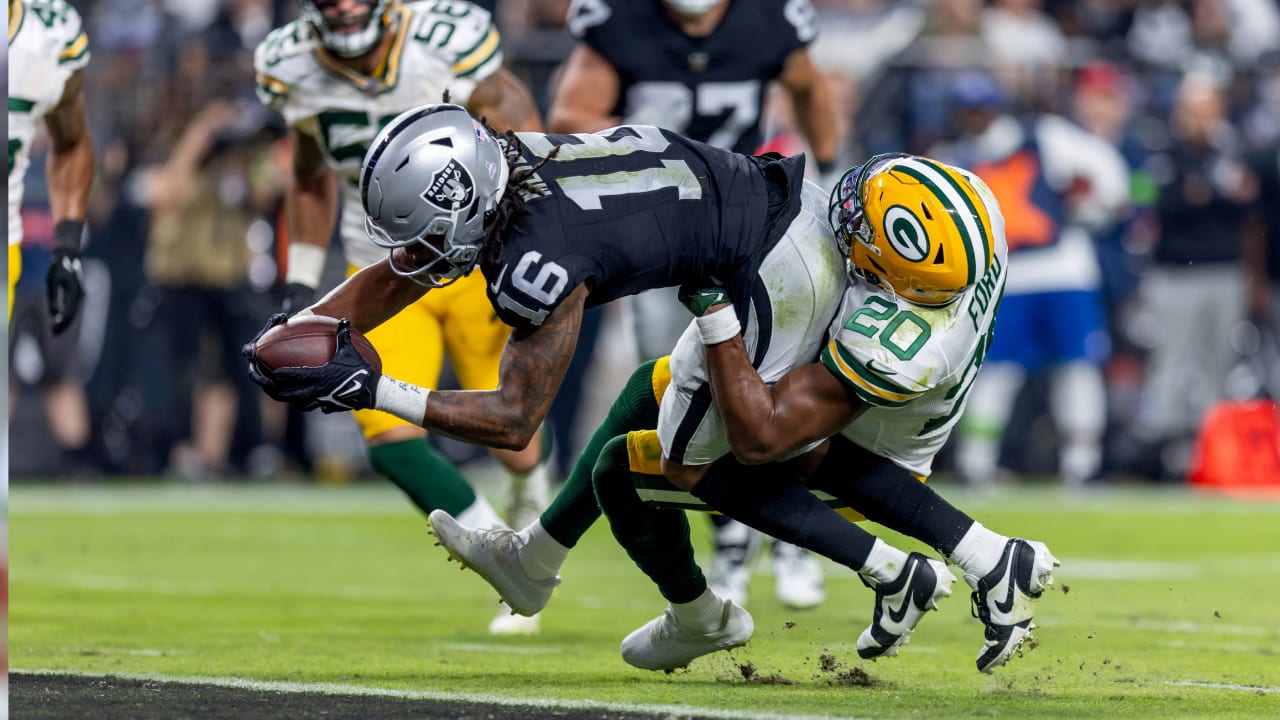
404 400
719 326
306 264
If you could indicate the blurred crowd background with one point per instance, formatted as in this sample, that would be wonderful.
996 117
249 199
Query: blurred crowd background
186 222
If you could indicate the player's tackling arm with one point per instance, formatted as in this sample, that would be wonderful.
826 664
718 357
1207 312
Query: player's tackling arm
311 208
586 95
765 424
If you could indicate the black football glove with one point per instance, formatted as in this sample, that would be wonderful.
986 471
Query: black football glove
246 350
65 282
699 297
347 382
297 297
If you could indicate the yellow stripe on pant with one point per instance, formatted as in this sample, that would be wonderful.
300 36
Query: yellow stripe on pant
457 320
15 271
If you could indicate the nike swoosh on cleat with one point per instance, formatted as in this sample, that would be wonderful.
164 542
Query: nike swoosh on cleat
899 613
1006 605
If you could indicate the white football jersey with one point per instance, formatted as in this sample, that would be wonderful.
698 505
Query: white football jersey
47 44
913 365
438 45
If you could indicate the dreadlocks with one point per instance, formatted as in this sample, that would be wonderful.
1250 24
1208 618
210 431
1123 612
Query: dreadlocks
514 202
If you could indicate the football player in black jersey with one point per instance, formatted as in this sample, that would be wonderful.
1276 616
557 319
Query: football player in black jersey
700 68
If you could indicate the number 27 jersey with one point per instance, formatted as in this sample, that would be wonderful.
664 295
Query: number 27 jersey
634 208
914 365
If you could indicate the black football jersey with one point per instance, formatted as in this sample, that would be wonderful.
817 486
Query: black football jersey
634 208
711 88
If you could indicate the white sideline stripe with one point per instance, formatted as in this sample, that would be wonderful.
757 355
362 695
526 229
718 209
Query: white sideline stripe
282 686
1223 686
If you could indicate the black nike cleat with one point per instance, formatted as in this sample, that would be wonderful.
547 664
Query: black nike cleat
1005 600
901 603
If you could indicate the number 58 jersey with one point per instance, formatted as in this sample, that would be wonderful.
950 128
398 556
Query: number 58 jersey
436 45
47 44
914 365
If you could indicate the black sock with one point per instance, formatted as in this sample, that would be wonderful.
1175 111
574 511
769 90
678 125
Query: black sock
764 497
657 540
890 495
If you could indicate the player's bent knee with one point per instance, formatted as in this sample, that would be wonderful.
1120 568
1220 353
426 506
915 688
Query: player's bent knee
683 476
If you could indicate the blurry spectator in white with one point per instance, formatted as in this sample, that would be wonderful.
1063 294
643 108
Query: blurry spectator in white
1056 184
1027 46
1195 289
1161 33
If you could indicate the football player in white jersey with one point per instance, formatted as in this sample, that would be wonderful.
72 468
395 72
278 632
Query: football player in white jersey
48 50
926 242
338 74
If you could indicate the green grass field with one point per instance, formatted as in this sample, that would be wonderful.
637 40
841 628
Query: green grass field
1166 606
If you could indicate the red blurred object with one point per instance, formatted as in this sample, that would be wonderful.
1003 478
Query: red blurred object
1238 450
1101 77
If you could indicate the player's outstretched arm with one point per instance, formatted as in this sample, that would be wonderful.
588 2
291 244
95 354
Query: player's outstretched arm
372 296
533 365
70 170
763 423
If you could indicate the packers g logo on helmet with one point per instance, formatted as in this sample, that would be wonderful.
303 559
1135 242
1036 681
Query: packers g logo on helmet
913 225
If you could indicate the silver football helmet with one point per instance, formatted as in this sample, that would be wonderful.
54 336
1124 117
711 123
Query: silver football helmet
346 37
431 181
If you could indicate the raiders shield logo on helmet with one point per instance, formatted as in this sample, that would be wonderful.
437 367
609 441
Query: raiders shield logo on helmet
450 187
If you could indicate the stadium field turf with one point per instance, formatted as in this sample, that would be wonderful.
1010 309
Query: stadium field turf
296 601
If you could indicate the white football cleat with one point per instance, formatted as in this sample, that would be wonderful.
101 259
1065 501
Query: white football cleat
663 644
494 554
507 622
798 577
902 603
1005 599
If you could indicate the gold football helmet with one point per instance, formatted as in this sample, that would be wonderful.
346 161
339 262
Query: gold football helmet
914 226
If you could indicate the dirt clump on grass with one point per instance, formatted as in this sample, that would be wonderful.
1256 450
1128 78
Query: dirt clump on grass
835 673
755 677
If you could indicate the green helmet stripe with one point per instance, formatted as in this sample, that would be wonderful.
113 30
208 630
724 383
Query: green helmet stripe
909 168
977 217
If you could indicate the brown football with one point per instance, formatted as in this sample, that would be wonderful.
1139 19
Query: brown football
307 341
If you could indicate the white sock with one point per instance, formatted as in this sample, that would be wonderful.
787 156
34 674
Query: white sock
884 563
978 552
703 614
479 514
530 494
540 555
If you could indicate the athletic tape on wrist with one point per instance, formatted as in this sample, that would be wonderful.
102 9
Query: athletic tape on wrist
67 235
306 264
404 400
719 326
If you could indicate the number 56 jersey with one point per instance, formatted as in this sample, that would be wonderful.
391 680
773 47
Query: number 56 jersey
437 45
914 365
